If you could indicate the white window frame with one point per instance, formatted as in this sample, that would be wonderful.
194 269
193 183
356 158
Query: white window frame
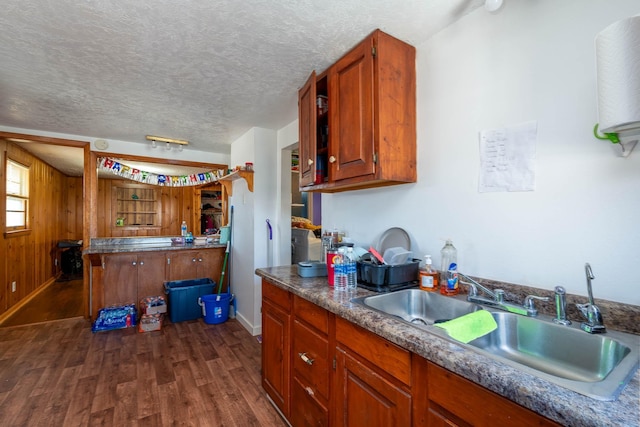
17 189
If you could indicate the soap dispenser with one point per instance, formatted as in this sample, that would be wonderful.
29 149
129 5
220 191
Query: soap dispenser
428 276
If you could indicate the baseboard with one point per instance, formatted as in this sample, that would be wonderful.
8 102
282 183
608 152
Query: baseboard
253 330
276 408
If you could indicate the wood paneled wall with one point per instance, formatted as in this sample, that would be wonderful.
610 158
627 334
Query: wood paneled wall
55 213
176 204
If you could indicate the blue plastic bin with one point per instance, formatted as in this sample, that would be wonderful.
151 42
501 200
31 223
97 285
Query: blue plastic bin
215 308
183 298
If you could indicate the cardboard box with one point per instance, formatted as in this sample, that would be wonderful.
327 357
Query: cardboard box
153 305
150 322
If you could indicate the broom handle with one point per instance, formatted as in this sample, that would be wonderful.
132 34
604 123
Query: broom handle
224 267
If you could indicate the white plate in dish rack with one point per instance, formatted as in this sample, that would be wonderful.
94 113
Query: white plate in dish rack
392 238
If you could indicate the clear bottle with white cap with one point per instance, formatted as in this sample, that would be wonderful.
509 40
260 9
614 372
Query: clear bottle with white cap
351 269
339 271
449 272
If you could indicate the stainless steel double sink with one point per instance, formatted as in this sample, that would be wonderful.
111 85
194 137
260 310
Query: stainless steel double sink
598 366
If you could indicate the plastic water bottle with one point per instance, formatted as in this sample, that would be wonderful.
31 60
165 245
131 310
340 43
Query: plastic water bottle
352 272
183 229
339 271
449 272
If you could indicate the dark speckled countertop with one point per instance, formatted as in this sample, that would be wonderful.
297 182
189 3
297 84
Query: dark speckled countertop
553 401
140 244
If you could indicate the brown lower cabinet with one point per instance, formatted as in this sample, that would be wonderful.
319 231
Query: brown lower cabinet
373 379
184 265
322 370
129 277
276 344
124 278
311 357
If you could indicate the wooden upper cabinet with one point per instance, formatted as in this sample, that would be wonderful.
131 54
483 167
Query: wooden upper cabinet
368 138
307 135
351 105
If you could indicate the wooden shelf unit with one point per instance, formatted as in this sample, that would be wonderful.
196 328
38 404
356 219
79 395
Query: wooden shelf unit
227 180
137 206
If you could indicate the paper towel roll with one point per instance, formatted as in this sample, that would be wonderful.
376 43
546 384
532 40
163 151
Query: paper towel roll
618 68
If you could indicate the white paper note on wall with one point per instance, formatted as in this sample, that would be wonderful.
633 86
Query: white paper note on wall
507 158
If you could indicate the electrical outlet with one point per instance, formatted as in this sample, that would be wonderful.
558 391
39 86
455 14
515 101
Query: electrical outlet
13 286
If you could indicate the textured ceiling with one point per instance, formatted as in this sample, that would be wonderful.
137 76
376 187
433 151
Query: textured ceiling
200 70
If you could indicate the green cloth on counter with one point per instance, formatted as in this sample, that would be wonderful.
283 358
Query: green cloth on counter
470 326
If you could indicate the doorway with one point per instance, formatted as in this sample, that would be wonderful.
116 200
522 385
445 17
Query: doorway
46 280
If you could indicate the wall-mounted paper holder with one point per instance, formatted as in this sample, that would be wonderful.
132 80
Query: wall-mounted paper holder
622 143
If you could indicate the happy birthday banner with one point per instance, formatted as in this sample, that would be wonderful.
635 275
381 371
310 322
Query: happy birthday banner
117 168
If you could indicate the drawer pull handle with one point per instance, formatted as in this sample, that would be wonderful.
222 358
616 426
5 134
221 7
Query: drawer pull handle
332 159
305 358
309 391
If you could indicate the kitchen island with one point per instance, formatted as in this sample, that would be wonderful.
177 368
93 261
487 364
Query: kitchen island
542 397
124 270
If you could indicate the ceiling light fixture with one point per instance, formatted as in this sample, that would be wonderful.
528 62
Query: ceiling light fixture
155 139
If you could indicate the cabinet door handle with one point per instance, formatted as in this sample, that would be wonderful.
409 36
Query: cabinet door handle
332 159
200 259
309 162
133 263
141 262
309 391
193 260
305 358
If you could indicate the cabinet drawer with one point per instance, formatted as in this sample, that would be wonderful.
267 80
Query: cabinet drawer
276 295
395 360
316 316
307 411
480 407
310 353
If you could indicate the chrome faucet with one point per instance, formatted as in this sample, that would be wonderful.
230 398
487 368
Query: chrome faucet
561 307
496 298
590 311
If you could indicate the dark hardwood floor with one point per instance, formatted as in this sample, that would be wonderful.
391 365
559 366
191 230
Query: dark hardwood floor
59 300
59 373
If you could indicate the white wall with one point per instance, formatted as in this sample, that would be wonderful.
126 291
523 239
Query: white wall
250 211
532 61
287 141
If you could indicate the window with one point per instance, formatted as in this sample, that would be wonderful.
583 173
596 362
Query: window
17 196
